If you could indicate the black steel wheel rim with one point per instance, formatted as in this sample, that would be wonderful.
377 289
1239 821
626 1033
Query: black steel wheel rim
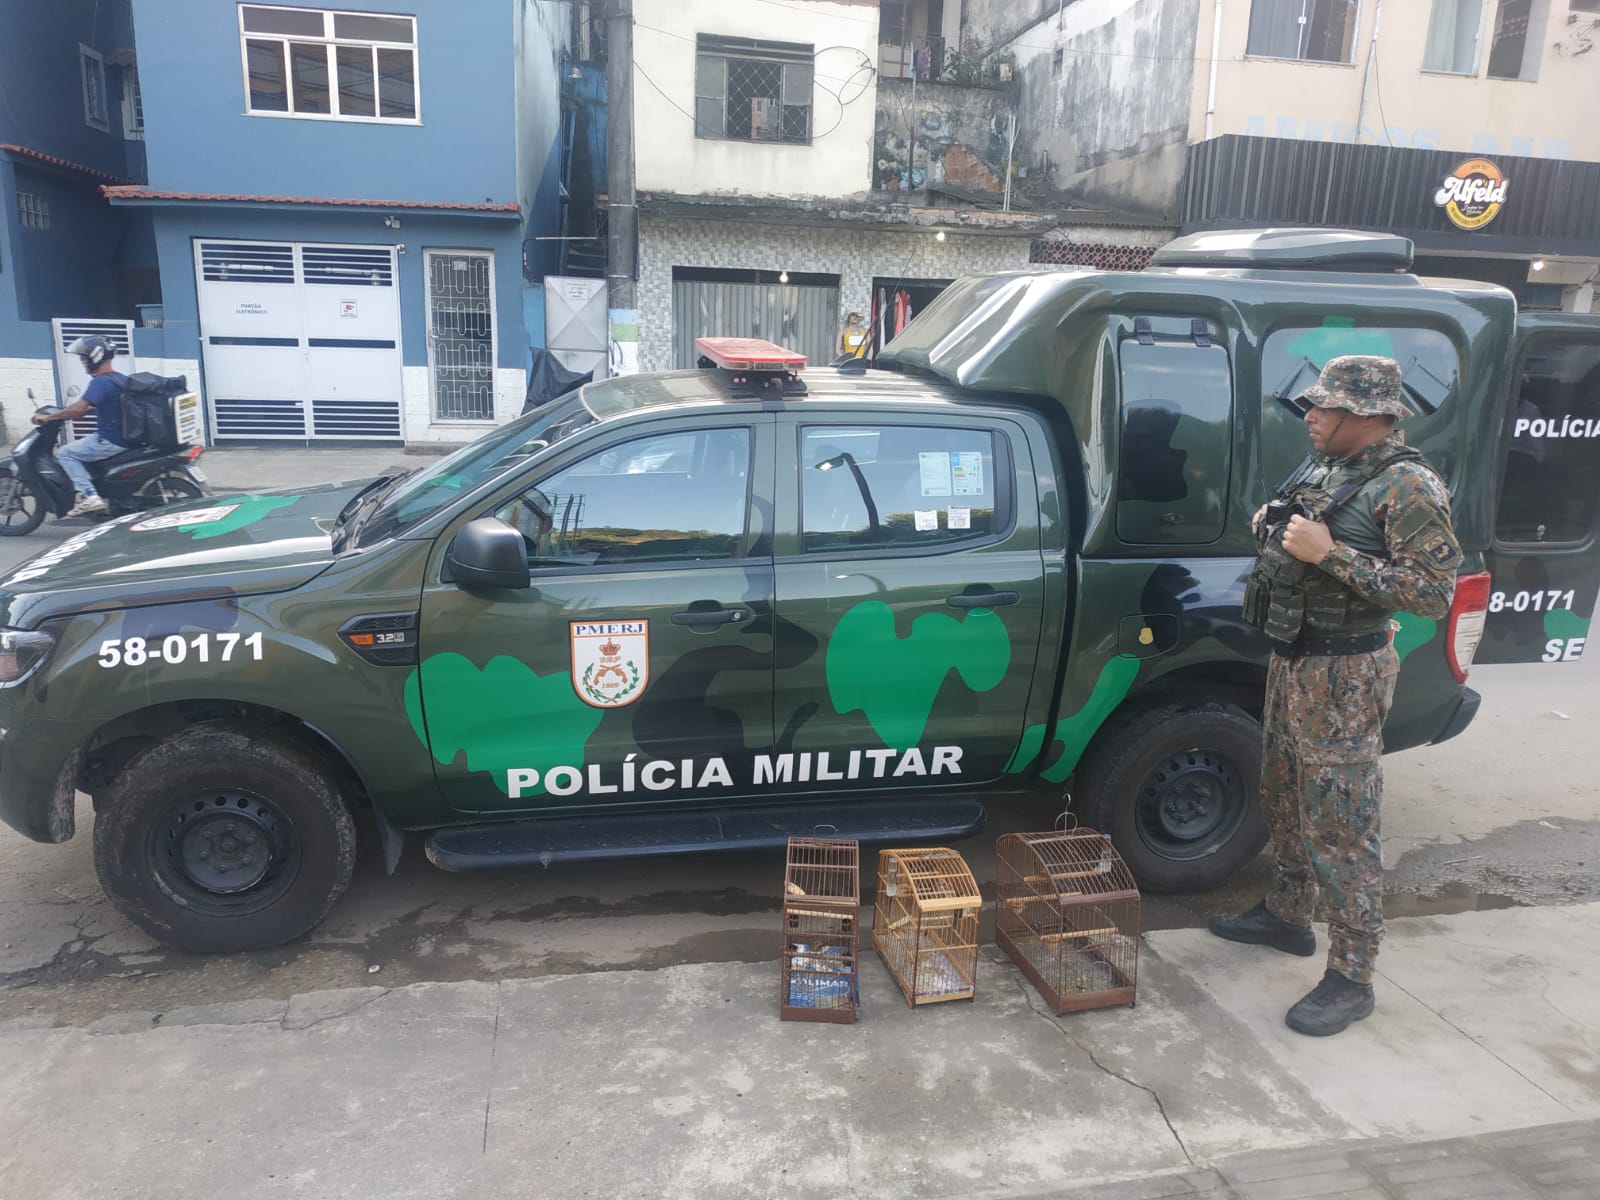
224 852
1190 803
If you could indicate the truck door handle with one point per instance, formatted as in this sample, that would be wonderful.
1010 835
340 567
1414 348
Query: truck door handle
984 600
709 616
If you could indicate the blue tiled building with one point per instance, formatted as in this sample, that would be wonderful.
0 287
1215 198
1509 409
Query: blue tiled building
336 201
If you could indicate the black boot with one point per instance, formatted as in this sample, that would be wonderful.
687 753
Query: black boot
1259 927
1330 1006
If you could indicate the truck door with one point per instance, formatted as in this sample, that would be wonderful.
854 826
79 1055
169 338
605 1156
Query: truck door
637 668
1545 559
910 588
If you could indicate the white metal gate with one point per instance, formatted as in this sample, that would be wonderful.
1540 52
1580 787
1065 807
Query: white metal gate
576 322
71 378
301 341
461 333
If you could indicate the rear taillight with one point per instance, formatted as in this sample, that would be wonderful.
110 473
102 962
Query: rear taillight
1468 611
193 452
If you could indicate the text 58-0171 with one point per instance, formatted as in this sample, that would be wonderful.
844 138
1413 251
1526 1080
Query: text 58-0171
175 648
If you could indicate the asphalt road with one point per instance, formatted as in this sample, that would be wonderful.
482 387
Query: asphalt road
1507 814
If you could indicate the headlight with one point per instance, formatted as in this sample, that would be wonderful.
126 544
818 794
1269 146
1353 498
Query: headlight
21 650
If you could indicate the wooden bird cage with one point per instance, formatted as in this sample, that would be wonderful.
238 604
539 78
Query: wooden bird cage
1067 912
821 924
925 923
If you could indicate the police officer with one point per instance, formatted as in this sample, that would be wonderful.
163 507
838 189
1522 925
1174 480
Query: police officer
1360 533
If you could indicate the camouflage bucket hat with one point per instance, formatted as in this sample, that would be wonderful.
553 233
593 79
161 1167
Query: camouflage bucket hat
1366 384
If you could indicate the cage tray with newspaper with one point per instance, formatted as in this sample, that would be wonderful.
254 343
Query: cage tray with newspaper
821 924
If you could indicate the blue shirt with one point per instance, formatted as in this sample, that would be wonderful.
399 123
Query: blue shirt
104 395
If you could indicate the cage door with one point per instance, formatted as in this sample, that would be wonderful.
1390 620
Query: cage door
461 334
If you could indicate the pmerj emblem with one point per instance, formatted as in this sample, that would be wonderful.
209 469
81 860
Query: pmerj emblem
610 661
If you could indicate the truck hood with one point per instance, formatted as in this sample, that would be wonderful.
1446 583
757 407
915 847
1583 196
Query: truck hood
226 545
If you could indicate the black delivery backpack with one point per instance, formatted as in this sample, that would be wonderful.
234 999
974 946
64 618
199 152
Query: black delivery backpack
147 411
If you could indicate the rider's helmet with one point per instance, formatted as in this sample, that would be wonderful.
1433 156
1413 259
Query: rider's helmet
92 349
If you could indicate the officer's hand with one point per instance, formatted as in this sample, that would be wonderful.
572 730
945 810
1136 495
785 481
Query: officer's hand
1255 521
1309 541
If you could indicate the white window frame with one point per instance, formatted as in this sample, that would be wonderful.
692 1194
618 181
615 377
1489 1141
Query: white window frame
330 43
91 59
132 105
33 211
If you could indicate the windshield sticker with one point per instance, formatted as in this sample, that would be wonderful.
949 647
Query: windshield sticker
959 518
926 519
966 473
935 468
894 680
610 661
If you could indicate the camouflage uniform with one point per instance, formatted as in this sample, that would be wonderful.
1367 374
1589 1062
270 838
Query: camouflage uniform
1321 778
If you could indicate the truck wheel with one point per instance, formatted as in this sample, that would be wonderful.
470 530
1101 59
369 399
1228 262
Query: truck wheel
20 510
1177 788
219 839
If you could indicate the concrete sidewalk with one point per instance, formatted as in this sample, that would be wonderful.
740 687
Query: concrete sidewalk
253 469
1477 1076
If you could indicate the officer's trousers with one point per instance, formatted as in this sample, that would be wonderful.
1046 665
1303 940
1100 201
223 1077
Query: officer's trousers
1321 786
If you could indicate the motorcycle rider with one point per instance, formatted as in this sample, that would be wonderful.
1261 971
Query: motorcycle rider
104 397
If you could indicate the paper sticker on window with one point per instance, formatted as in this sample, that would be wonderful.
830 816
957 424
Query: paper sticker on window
966 473
926 519
935 472
959 518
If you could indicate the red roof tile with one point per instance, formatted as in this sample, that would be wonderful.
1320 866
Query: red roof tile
136 192
63 163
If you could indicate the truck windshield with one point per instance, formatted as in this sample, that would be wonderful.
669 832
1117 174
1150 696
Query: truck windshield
412 497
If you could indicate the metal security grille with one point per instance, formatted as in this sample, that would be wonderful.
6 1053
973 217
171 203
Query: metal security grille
753 90
246 262
1102 257
461 351
348 265
799 317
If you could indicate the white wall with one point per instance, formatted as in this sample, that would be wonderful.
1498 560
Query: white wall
669 158
17 377
1404 105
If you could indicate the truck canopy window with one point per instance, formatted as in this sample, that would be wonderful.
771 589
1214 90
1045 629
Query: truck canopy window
1176 441
1549 494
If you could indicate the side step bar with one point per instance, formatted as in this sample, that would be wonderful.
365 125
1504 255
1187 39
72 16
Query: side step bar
549 840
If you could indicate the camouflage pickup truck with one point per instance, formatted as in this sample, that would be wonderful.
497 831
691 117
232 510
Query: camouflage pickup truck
711 608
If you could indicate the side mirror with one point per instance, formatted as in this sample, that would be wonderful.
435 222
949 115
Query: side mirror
490 554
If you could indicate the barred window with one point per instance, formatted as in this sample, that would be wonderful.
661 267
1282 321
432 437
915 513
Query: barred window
752 90
33 210
314 63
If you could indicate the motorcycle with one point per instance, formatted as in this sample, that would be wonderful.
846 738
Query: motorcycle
33 483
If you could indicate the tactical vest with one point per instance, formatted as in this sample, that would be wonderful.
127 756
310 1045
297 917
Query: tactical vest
1287 598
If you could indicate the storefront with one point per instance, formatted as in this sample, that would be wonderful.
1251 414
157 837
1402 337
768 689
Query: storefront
1529 224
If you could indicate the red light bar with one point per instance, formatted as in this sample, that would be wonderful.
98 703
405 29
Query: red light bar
748 354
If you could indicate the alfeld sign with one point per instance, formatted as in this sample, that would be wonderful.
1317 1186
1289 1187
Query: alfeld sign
1472 194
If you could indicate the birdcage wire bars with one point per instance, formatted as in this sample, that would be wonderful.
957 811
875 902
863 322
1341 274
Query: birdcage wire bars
1067 912
925 923
821 931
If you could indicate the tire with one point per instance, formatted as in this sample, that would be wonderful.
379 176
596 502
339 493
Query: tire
169 487
219 839
1177 788
21 511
